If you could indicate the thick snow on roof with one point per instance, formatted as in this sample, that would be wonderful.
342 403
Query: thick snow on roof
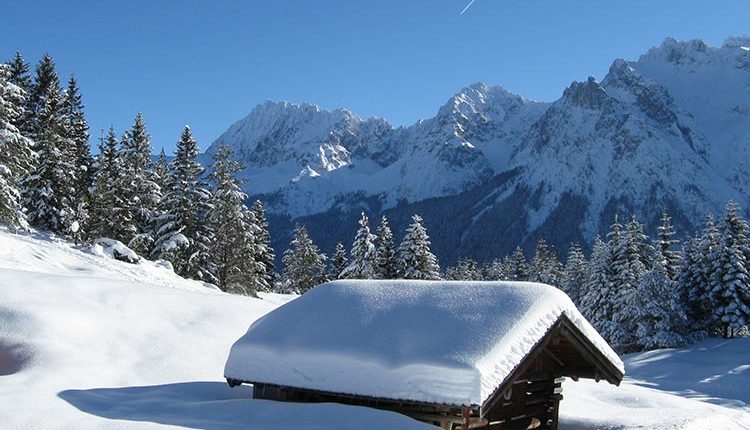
429 341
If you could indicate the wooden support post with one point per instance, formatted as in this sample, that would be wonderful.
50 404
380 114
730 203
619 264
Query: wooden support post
465 414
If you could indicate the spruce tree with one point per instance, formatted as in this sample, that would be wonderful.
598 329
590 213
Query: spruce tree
109 215
362 263
417 261
730 278
266 255
666 244
660 320
386 260
143 192
77 152
465 270
49 195
339 262
233 250
19 76
518 268
183 237
575 274
629 267
694 280
161 172
46 86
16 154
598 294
304 264
545 266
495 271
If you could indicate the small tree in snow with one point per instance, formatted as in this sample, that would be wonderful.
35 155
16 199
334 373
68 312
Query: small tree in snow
575 274
233 249
660 319
666 244
108 212
304 264
545 267
266 255
143 191
417 261
495 271
182 236
597 297
362 264
339 262
518 268
730 279
16 155
386 260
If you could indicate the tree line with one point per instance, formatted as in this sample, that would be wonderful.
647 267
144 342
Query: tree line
49 180
371 257
642 294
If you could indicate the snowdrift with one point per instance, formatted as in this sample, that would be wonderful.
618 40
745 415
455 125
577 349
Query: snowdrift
90 342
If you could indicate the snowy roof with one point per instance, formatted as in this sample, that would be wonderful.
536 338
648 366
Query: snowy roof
425 341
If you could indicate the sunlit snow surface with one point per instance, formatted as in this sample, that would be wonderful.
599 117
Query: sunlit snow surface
441 342
88 342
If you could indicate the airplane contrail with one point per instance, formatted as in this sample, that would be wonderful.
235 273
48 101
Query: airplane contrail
467 7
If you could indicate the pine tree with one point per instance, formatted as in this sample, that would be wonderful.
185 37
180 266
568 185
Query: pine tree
234 249
46 86
694 278
518 269
386 260
598 294
161 172
362 264
50 191
19 76
495 271
183 236
730 278
143 192
339 262
108 213
304 264
465 270
659 317
266 255
545 266
628 268
77 152
16 154
417 261
575 274
666 245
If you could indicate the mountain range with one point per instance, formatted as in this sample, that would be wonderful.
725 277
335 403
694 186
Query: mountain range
493 170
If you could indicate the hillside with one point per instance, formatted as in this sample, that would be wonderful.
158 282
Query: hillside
668 130
87 342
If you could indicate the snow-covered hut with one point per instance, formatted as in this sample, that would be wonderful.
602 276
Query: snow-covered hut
456 354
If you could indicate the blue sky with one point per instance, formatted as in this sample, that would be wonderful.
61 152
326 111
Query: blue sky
207 63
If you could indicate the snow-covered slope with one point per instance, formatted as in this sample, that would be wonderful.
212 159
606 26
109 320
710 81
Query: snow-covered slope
92 343
671 129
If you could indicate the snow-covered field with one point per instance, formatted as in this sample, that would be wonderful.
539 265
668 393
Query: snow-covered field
87 342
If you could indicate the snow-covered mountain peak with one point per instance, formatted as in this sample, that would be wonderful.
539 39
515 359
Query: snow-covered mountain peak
737 42
677 51
589 94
